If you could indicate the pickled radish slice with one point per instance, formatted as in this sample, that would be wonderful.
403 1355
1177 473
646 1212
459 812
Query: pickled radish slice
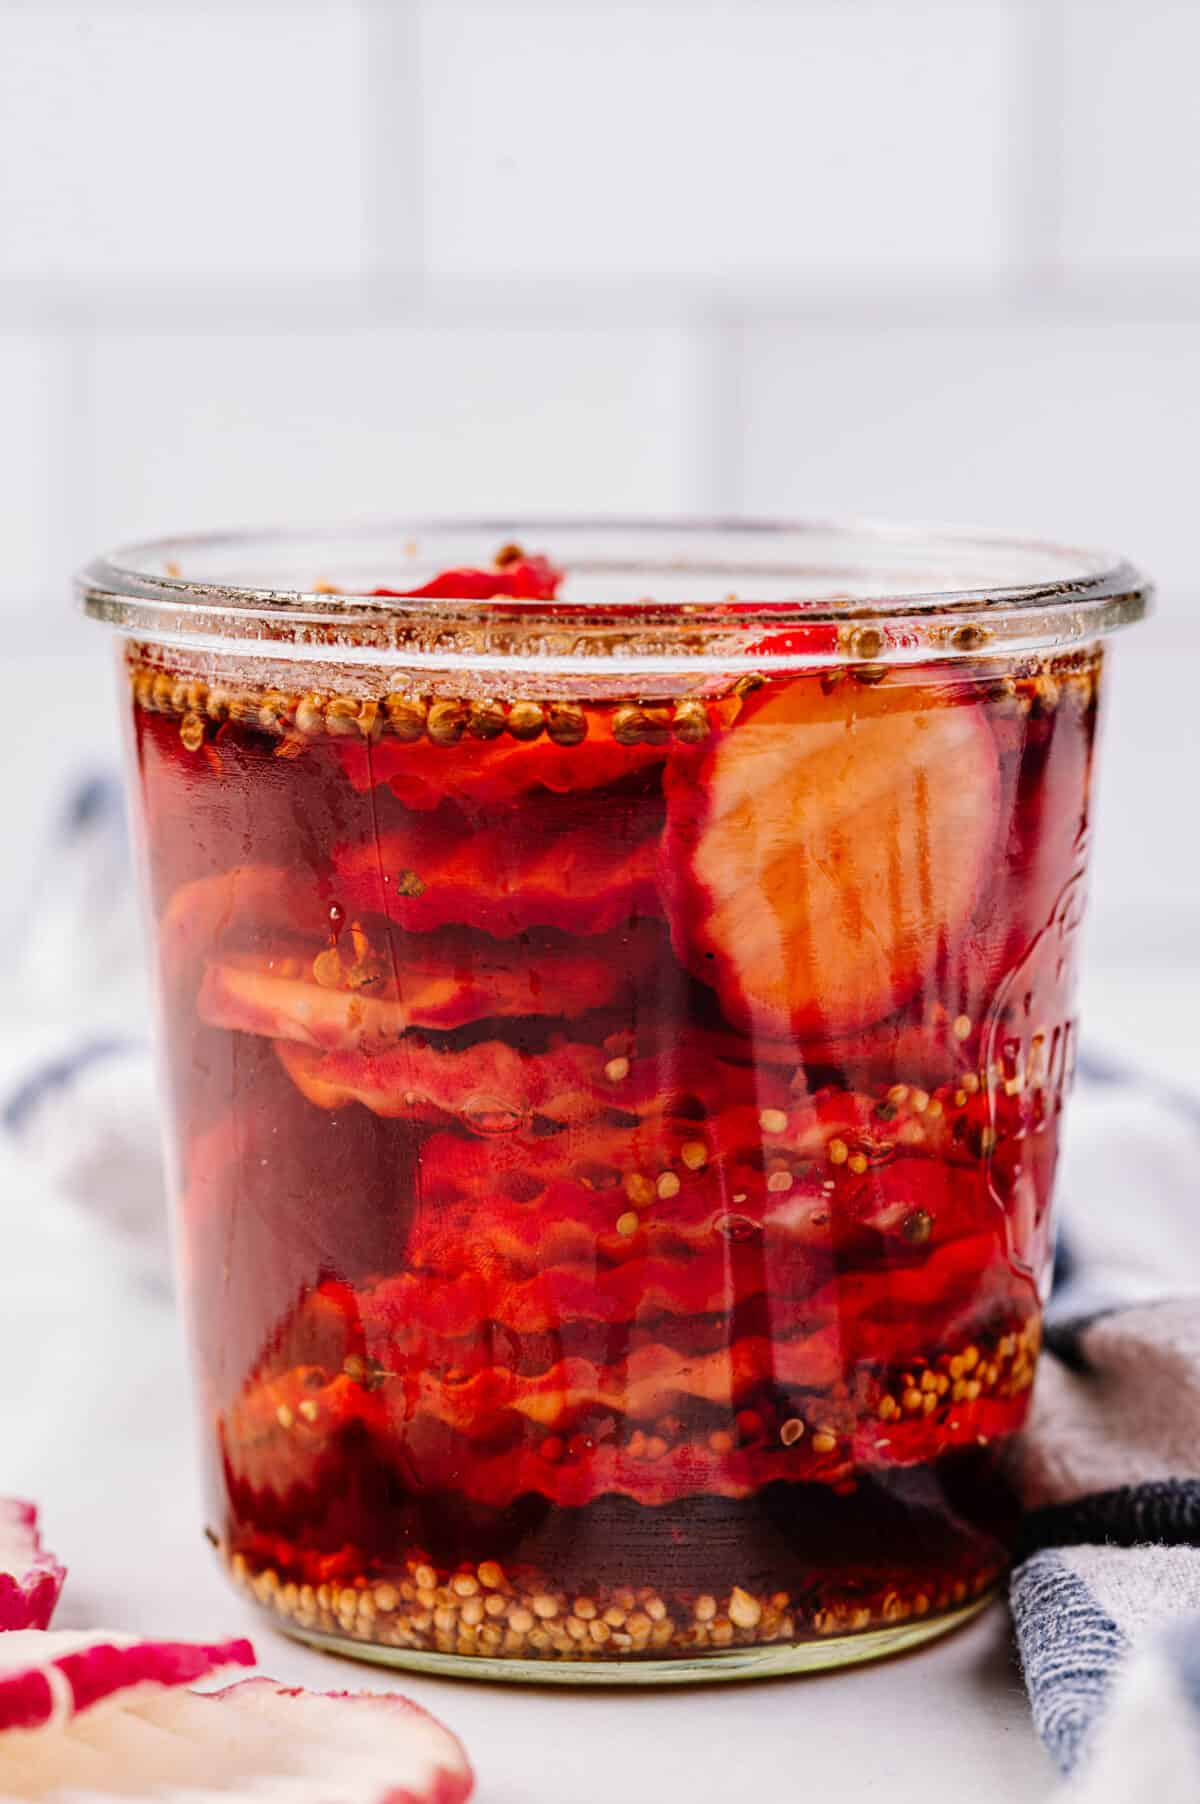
767 1240
258 945
651 1379
30 1578
830 848
527 578
491 1087
112 1720
478 1423
255 907
494 772
692 1470
585 875
336 1005
48 1677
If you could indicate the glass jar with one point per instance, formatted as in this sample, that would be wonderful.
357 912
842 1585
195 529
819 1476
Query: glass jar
616 1014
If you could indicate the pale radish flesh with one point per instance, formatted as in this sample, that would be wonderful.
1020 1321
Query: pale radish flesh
49 1677
251 1741
830 854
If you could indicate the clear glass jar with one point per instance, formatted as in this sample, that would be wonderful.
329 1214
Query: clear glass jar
615 1031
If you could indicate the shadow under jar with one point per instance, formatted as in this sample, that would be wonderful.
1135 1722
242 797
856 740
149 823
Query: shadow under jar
616 1012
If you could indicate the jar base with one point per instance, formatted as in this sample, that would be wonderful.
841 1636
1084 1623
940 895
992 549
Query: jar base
739 1663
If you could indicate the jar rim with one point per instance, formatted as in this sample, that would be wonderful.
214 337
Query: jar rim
665 589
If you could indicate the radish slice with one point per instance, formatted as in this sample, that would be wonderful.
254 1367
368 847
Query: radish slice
47 1679
252 1741
30 1578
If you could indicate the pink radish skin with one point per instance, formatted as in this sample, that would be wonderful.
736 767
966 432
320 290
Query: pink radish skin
112 1720
49 1677
30 1578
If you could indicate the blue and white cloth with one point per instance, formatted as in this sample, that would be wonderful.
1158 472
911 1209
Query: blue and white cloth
77 1089
1106 1603
1106 1594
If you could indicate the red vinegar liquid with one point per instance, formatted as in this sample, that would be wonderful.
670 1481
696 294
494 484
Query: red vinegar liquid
615 1142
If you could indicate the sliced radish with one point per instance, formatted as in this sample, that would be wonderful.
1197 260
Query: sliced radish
112 1719
532 578
444 985
48 1677
829 852
30 1578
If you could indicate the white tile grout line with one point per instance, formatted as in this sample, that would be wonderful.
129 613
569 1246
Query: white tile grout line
718 472
393 152
1041 181
1159 295
71 507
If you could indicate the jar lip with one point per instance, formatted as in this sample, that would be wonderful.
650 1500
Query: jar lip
665 588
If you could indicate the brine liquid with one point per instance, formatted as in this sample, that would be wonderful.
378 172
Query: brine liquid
614 1141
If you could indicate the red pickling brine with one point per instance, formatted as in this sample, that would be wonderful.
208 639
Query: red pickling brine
614 1127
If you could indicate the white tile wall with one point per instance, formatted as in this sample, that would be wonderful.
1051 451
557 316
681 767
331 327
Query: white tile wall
1132 151
721 143
1145 905
936 258
254 427
1071 427
33 373
144 143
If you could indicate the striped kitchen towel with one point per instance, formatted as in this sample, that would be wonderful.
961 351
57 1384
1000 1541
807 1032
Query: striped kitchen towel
77 1091
1106 1596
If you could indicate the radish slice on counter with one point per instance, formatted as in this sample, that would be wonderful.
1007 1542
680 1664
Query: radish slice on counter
50 1678
108 1717
30 1578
